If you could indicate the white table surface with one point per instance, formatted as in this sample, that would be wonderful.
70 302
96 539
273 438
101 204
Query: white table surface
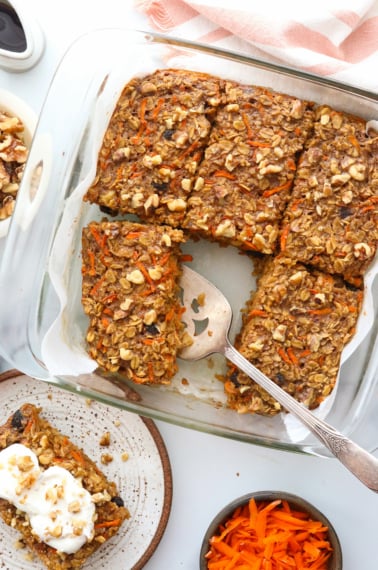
208 471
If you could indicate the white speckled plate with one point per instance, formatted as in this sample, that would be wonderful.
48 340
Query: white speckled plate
144 479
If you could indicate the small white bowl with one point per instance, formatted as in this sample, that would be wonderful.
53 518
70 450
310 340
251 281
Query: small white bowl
16 107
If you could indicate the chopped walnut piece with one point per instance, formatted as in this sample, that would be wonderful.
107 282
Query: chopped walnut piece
106 458
13 155
105 439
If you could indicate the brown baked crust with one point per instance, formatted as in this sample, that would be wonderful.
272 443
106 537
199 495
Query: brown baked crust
332 218
153 145
130 292
245 179
26 426
294 330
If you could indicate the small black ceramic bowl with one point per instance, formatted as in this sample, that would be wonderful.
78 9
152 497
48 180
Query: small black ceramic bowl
296 503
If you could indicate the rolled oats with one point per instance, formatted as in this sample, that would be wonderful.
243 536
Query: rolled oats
295 342
248 167
338 234
153 144
137 335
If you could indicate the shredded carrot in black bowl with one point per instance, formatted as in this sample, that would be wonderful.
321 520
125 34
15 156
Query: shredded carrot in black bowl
266 531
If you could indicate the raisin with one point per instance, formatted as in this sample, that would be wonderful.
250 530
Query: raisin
345 212
160 186
168 133
234 378
108 211
118 501
152 329
17 420
280 378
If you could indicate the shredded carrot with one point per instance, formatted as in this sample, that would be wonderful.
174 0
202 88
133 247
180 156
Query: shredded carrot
192 147
144 271
100 239
249 245
186 257
164 258
276 189
257 313
225 174
368 209
92 270
105 322
354 141
156 339
142 112
291 354
30 424
247 125
291 164
156 111
356 281
284 355
320 312
108 524
109 298
258 144
283 237
96 286
171 313
269 535
150 372
133 235
305 353
77 456
230 387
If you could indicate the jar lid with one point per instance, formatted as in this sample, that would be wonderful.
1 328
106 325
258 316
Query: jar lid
21 39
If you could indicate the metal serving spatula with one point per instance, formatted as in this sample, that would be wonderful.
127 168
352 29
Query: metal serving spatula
208 310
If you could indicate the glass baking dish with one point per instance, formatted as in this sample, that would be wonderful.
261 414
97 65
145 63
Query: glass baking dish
41 321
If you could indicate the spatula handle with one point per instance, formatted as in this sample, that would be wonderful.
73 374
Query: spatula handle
361 463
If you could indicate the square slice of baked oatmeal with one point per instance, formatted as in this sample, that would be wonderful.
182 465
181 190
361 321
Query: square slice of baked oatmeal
130 292
154 143
53 493
294 330
331 221
245 179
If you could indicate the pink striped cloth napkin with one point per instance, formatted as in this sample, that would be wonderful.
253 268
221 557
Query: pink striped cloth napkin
333 38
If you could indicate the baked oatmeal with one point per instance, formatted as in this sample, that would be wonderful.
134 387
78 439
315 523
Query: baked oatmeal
294 330
130 293
332 218
154 143
13 155
53 493
245 179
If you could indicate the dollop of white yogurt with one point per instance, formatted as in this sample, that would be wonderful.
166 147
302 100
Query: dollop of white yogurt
61 512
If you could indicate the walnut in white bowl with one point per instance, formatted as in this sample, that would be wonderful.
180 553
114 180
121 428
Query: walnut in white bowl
17 124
